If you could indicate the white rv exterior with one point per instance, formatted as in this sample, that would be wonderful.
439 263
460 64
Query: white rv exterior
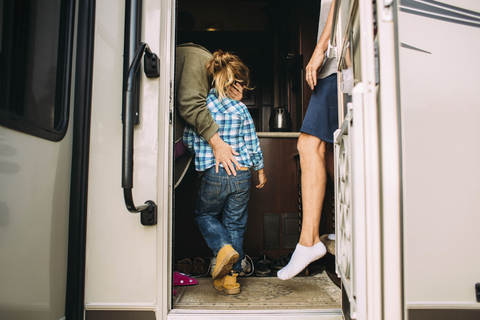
406 179
406 186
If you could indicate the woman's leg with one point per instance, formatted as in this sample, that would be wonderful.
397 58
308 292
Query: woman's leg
313 163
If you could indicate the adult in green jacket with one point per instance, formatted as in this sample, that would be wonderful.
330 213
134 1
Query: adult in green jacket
192 85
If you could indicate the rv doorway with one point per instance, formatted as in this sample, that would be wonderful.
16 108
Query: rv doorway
275 39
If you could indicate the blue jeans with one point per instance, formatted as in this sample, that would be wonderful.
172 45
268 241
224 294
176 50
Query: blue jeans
220 193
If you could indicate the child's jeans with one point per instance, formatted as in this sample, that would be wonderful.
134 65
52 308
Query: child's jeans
220 193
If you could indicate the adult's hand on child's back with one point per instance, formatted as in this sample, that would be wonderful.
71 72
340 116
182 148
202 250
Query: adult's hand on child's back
224 154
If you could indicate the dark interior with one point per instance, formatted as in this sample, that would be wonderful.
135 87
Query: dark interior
276 39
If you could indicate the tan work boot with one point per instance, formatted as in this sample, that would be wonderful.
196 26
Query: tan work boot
228 284
226 258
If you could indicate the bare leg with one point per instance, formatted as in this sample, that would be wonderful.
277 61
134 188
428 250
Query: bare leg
313 162
312 152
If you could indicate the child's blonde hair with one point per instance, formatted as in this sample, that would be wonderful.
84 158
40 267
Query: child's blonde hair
226 69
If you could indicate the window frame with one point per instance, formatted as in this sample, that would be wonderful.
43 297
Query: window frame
63 84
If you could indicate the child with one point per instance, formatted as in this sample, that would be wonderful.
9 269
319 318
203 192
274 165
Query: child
223 195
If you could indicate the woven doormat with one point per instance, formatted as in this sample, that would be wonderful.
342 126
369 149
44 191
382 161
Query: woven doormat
313 292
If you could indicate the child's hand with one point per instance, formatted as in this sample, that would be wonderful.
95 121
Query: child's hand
261 178
235 92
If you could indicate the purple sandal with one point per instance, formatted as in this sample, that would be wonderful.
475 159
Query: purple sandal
179 279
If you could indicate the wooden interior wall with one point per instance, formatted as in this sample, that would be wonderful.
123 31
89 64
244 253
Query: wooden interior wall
279 196
309 15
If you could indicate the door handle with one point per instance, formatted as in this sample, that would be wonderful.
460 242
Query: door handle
148 211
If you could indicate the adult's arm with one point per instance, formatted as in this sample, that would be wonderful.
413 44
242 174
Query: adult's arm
192 94
192 106
318 55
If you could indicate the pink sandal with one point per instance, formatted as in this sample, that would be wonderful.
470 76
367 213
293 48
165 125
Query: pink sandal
179 279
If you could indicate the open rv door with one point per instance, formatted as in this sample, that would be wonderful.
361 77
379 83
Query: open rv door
367 157
401 190
129 176
440 151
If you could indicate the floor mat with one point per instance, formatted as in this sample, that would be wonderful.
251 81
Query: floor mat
312 292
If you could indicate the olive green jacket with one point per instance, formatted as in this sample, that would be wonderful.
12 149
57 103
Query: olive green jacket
192 85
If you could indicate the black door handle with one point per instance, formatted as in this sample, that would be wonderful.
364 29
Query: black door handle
130 116
149 209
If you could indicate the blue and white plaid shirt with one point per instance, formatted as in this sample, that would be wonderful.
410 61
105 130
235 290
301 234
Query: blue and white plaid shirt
236 129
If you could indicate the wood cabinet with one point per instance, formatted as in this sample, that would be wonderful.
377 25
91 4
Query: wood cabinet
272 227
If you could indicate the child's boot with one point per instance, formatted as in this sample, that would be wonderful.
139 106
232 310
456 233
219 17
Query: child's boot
228 284
226 258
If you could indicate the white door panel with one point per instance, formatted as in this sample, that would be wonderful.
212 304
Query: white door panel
440 133
121 270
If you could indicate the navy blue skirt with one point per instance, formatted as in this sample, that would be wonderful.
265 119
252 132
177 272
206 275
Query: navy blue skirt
321 119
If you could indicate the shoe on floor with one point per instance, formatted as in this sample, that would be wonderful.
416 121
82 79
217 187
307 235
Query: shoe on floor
282 261
228 284
199 267
262 267
247 264
211 267
179 279
329 244
226 258
184 266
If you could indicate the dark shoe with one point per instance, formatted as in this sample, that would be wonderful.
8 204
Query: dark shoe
200 268
184 266
282 261
262 267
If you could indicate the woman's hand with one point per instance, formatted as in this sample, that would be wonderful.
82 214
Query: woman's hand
261 178
316 61
313 67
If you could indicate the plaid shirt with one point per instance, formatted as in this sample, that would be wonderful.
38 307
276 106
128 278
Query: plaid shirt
236 129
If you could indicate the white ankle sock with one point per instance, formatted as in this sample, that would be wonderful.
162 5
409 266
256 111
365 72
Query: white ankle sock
301 258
